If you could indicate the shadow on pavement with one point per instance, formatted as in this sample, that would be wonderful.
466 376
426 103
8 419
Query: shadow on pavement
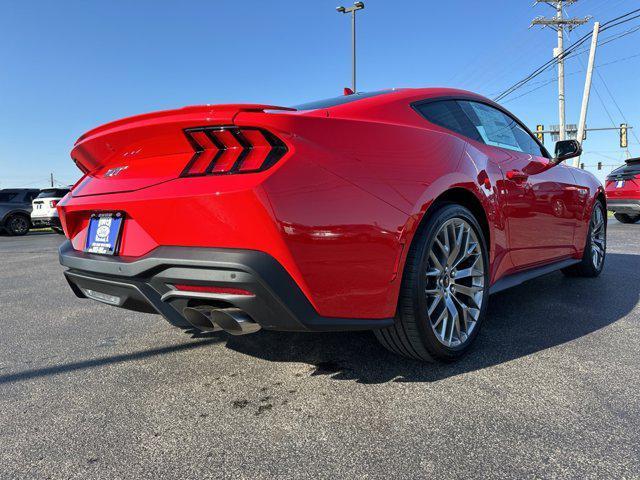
101 361
534 316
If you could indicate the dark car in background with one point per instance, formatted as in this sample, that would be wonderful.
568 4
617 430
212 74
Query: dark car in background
623 191
15 209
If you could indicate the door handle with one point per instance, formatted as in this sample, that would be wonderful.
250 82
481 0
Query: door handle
517 176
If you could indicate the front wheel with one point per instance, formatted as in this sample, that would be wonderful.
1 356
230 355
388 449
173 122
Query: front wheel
595 250
444 292
625 218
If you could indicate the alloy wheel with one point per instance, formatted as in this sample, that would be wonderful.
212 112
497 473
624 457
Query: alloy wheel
598 237
455 282
19 225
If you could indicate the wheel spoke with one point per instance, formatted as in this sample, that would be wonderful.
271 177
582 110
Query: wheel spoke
447 244
468 291
597 248
455 251
433 273
436 261
468 272
436 301
442 316
453 315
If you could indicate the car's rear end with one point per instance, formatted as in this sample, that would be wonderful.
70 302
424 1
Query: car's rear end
44 213
623 191
230 216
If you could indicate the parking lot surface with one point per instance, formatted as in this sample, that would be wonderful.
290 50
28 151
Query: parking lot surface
551 388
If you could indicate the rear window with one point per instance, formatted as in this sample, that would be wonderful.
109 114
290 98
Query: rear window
53 193
628 171
332 102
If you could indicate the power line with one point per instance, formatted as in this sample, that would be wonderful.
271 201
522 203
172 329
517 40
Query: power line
616 104
605 26
544 83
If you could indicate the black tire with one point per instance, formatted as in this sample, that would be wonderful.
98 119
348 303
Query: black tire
17 224
412 334
587 266
58 230
625 218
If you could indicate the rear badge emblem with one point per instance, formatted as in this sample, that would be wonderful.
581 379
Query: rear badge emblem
112 172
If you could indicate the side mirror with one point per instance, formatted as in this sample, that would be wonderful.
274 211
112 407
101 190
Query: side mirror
566 149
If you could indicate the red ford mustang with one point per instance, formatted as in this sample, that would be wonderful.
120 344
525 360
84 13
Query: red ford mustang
398 211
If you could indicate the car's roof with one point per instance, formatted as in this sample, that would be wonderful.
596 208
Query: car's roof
18 190
363 101
413 94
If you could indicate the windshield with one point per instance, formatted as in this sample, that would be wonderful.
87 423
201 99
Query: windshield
332 102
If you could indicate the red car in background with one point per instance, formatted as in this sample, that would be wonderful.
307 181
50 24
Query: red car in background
623 191
398 211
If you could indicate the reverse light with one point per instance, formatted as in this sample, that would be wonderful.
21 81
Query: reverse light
212 289
53 203
102 297
229 150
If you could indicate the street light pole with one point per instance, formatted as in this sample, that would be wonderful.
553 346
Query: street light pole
352 10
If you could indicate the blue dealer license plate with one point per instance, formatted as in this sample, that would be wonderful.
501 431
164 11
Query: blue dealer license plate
103 235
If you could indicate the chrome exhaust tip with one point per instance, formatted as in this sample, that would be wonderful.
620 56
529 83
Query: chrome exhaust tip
200 318
234 321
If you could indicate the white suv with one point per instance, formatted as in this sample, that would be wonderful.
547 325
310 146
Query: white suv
44 213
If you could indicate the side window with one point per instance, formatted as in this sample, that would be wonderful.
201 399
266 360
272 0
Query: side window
499 129
449 114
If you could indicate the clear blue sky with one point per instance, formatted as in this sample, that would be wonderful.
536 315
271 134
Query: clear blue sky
68 66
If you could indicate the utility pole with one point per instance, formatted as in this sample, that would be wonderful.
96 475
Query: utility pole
587 88
352 10
51 179
559 23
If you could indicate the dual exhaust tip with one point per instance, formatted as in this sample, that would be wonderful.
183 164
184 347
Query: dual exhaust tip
211 319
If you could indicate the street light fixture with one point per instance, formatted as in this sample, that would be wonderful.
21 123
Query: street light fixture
352 10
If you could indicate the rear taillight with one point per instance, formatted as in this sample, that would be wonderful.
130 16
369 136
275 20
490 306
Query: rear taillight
53 203
228 150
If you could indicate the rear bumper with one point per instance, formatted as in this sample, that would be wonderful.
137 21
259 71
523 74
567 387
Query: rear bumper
53 221
145 284
624 206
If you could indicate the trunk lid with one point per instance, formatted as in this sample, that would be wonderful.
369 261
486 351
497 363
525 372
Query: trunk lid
145 150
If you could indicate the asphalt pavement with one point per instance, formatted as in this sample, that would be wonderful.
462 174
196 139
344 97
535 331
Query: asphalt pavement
550 389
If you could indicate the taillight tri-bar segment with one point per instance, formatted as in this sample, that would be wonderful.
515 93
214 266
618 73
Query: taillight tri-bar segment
227 150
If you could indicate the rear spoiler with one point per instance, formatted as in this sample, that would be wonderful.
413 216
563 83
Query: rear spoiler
214 110
158 133
630 161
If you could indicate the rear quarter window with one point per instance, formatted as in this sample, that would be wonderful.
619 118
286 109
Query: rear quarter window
448 114
6 197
